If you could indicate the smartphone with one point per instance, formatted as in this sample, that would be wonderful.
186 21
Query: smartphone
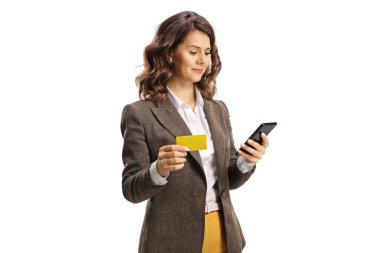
256 136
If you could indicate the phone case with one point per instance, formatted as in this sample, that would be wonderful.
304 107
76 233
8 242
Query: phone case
256 135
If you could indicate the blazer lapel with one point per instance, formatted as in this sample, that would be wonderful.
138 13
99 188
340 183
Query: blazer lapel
168 116
214 121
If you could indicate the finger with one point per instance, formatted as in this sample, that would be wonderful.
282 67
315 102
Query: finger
179 154
173 167
171 154
253 152
169 148
257 146
173 161
265 142
248 158
178 166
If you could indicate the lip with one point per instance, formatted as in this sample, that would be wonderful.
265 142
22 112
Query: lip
198 71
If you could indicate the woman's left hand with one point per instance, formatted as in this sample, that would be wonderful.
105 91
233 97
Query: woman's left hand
256 153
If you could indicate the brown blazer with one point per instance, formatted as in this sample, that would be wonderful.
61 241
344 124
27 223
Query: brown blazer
174 217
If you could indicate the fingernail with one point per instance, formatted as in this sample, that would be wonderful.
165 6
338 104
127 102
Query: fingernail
262 134
187 149
250 141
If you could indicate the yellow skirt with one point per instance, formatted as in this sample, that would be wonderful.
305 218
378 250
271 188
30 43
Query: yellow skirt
214 239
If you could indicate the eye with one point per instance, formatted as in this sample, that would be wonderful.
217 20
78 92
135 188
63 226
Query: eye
208 53
193 53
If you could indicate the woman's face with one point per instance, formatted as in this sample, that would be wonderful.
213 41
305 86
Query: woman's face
191 58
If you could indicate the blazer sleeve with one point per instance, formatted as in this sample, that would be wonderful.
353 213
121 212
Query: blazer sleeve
137 183
235 177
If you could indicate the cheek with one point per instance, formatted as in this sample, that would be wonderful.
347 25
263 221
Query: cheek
209 61
187 62
182 64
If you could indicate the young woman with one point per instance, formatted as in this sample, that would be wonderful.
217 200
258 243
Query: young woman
189 207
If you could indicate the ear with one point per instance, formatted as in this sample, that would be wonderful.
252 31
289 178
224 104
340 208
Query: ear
171 55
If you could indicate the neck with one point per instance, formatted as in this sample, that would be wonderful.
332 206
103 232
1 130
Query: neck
185 92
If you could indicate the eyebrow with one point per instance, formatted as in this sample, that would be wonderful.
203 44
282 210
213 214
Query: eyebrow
199 47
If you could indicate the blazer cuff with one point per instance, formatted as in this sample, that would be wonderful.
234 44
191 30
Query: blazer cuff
243 166
157 179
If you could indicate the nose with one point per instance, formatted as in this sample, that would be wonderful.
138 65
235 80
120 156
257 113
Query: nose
201 58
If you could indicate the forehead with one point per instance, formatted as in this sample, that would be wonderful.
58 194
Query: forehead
196 38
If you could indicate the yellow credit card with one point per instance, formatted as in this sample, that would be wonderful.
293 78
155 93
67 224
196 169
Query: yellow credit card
193 142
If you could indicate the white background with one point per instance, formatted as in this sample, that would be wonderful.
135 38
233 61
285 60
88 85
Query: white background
67 68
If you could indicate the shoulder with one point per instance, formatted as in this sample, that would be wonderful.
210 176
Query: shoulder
138 107
220 105
134 113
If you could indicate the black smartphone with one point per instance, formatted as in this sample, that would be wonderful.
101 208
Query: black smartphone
256 136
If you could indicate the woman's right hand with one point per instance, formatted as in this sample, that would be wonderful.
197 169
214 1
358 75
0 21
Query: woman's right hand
171 157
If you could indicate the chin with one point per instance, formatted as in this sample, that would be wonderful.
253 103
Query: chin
197 79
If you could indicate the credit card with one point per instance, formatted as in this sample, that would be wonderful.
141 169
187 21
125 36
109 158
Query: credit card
193 142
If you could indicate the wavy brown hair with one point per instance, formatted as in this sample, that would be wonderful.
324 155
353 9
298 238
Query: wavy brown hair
157 67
